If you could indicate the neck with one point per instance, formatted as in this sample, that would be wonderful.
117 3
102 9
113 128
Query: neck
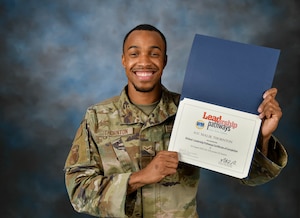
144 98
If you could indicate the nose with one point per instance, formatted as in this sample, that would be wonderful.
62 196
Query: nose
144 60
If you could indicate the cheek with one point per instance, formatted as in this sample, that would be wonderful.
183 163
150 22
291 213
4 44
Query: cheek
127 64
161 67
161 63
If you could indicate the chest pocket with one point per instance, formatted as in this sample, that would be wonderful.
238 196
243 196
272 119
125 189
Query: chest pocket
113 151
122 155
115 158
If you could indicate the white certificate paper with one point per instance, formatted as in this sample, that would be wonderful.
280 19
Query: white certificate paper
214 137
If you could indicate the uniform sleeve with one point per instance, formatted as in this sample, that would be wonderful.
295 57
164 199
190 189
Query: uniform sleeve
263 169
88 189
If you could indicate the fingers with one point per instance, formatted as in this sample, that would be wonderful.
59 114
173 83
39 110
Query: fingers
170 155
164 163
167 159
270 113
270 92
272 110
269 107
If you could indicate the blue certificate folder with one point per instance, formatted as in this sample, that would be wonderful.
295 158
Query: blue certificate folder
229 74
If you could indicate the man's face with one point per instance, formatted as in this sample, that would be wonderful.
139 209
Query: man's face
144 60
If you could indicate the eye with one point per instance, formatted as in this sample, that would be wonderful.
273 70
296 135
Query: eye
133 54
154 54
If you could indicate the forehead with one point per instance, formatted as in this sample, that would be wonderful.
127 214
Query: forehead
144 38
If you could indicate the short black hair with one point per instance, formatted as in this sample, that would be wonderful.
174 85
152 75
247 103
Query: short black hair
147 27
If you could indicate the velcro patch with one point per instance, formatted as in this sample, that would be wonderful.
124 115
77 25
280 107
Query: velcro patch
117 132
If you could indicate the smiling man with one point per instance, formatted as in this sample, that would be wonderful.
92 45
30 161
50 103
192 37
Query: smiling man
119 164
144 58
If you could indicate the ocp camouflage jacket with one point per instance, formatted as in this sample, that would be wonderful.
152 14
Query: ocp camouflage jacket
115 139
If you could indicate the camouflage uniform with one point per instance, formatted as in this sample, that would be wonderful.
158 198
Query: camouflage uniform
115 139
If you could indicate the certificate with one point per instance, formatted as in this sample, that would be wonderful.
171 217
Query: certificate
215 137
218 129
228 73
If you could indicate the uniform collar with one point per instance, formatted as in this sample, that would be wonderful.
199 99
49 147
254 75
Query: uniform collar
130 114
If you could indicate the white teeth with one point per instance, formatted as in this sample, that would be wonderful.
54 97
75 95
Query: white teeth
143 73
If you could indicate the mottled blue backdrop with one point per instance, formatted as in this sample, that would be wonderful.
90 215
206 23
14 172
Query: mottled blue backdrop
57 57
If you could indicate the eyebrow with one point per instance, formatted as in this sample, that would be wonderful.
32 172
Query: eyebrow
153 46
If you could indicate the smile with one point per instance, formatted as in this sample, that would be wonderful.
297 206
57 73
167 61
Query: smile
144 74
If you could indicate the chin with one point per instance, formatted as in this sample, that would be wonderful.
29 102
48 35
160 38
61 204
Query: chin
144 89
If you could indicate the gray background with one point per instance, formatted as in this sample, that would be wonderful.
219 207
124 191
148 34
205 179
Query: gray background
60 56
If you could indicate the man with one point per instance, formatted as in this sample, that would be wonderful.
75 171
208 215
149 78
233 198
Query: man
119 165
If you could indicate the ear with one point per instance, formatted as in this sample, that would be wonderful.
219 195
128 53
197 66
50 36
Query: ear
123 60
166 60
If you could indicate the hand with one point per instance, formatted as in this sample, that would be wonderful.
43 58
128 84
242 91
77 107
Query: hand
270 113
164 163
